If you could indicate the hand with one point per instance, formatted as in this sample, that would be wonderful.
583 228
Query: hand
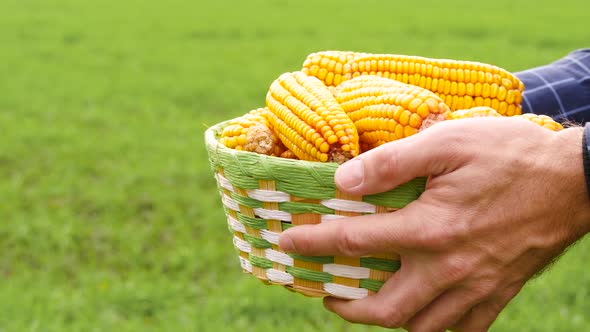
504 198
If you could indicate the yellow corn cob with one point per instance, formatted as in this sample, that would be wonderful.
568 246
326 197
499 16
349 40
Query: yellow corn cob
482 111
474 112
328 66
384 110
542 120
252 132
460 84
309 121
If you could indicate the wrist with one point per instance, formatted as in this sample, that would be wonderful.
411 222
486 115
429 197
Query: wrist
571 158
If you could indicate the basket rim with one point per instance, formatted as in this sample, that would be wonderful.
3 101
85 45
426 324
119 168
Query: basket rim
299 178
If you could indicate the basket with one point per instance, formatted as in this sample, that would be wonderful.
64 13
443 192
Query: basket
263 196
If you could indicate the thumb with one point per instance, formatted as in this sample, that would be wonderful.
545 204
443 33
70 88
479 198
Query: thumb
427 153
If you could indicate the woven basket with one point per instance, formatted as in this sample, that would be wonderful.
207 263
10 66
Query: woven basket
263 196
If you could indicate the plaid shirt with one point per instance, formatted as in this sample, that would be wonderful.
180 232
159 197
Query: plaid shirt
560 89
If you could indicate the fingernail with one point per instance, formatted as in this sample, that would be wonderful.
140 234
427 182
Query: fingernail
350 174
286 243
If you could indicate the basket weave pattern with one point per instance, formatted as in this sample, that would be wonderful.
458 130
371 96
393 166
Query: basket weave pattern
263 196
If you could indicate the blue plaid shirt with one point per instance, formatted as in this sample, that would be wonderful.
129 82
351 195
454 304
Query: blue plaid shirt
560 89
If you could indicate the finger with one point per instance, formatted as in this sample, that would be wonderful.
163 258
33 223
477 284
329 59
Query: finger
397 162
483 315
404 294
445 311
359 236
480 318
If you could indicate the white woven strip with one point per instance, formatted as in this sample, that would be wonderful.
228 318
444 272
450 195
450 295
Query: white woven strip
346 271
269 236
236 225
278 257
242 245
279 276
245 264
346 292
223 182
272 214
229 203
269 195
351 206
330 217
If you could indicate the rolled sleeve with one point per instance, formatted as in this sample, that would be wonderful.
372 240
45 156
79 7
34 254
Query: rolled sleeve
560 89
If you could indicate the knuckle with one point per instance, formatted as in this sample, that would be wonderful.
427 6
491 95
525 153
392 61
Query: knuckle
494 308
348 243
459 221
385 162
455 142
484 288
435 236
456 269
392 160
443 231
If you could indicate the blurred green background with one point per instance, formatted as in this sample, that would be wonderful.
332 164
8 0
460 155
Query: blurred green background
109 216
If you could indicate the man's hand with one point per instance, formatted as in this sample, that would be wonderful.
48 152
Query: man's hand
503 199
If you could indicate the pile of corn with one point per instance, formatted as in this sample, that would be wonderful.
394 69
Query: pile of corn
341 104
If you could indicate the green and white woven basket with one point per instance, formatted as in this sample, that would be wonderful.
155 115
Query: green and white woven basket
263 196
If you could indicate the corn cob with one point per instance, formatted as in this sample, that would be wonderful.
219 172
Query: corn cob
461 84
252 132
542 120
309 121
474 112
384 110
328 66
482 111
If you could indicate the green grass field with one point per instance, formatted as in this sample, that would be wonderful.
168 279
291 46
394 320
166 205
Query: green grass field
109 216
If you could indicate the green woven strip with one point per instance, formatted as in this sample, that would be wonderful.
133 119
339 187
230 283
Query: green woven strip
238 180
253 222
309 274
380 264
309 191
246 201
294 207
260 262
370 284
256 166
312 180
285 225
400 196
258 243
314 259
